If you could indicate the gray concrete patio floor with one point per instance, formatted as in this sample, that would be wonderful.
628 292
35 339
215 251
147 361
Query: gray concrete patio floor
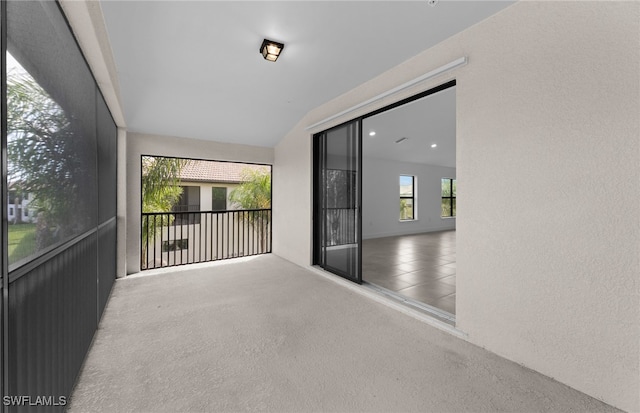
263 334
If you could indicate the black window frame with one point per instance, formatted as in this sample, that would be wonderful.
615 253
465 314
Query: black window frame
412 198
175 245
451 198
213 198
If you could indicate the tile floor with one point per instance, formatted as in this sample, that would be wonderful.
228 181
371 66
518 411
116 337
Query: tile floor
418 266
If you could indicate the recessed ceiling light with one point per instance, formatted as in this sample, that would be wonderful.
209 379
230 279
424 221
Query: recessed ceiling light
372 133
434 145
401 140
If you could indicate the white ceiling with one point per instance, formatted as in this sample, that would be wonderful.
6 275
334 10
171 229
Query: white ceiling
193 69
427 121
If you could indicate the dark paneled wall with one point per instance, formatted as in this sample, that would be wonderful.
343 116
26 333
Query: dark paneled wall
106 262
57 285
52 317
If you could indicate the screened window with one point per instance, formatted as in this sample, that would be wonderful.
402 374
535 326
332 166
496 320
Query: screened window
188 205
189 199
219 199
448 197
51 130
407 197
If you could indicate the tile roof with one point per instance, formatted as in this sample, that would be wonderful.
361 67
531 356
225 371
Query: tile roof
212 171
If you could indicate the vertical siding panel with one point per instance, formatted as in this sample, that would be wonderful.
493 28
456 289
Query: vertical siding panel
53 310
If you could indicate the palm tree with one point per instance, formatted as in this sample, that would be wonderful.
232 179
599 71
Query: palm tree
160 191
255 194
47 156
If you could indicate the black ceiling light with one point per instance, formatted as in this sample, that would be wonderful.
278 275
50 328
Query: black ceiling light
271 50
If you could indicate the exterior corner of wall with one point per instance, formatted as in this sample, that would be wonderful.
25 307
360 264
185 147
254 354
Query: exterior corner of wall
121 209
292 196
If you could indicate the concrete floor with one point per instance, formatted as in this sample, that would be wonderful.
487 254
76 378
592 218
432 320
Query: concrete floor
262 334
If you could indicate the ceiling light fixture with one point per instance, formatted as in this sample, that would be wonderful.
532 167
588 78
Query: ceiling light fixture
271 50
401 140
372 133
434 145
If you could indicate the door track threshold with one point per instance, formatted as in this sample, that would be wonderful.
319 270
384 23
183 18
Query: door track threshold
442 315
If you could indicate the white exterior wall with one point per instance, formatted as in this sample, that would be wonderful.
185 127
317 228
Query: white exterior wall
206 193
547 166
381 198
153 145
26 214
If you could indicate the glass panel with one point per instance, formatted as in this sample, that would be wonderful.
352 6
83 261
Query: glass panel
51 131
446 187
189 199
454 187
406 208
454 207
107 155
339 214
406 185
446 207
219 199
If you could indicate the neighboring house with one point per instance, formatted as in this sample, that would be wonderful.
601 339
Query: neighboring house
18 206
207 185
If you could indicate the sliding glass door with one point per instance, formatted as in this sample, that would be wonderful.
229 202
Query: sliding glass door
337 200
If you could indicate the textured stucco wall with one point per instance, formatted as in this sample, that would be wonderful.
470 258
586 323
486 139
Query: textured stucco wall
548 266
143 144
548 213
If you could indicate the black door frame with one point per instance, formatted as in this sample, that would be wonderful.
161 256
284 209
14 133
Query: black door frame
319 149
317 162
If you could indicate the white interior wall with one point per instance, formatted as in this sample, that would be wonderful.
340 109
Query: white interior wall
380 198
547 165
144 144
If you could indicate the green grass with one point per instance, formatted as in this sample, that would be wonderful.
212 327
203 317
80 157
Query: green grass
22 241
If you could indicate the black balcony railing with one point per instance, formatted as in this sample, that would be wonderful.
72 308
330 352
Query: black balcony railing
340 226
187 218
178 238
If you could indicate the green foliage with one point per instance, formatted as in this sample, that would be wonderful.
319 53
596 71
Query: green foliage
405 210
255 191
22 241
48 156
160 192
160 183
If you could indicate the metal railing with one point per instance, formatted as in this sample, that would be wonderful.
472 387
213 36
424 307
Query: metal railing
340 226
188 218
179 238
